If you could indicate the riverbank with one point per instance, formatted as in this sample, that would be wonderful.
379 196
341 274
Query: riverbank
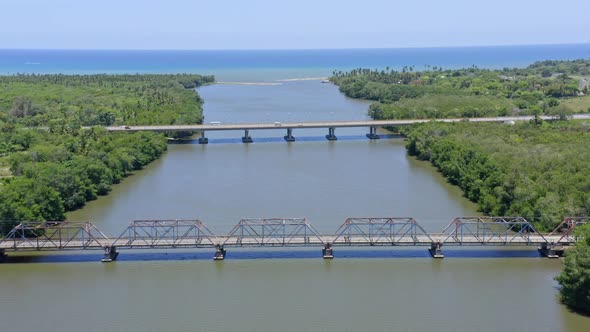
536 170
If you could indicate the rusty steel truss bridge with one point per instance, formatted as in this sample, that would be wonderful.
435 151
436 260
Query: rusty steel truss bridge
290 232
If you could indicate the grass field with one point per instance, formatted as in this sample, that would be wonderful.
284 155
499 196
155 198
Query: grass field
4 168
578 104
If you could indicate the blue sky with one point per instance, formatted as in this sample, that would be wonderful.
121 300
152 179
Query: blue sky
281 24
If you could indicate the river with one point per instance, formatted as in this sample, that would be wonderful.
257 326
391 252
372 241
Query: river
273 289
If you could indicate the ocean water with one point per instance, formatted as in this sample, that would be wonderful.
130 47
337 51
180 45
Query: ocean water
276 65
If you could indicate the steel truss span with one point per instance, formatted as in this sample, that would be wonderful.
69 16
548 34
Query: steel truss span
165 234
566 227
273 232
50 235
492 230
381 231
289 232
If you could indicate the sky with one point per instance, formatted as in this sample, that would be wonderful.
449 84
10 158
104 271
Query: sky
285 24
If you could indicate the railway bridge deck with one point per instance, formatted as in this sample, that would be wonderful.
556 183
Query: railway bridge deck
290 232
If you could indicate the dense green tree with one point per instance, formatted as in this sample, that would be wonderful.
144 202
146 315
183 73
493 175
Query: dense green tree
468 92
537 171
575 277
60 166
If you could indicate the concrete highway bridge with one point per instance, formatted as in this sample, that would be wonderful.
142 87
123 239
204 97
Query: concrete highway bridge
290 232
372 126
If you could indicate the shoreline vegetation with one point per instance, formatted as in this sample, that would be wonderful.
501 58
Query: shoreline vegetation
575 277
470 92
47 172
536 170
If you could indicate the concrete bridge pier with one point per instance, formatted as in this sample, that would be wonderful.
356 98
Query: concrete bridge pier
436 250
110 254
289 137
2 255
549 250
327 252
331 136
203 139
219 253
246 138
373 133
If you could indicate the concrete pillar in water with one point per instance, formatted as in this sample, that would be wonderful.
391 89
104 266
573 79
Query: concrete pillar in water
549 250
289 137
246 138
436 250
110 254
2 255
203 139
373 133
331 136
327 252
219 253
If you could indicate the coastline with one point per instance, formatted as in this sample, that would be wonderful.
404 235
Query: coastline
270 65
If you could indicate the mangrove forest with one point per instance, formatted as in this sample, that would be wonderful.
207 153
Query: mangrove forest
54 153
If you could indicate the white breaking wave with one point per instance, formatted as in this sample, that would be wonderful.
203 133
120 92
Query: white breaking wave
250 83
303 79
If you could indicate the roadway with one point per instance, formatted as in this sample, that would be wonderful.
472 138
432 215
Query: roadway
325 124
33 244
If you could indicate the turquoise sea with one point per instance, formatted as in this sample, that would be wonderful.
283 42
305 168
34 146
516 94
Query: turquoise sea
272 65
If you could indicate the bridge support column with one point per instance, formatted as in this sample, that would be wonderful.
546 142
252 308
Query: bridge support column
219 253
2 255
110 254
331 136
436 250
549 250
289 137
373 133
246 138
203 139
327 252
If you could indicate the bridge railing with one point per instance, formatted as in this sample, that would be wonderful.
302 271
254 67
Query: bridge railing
54 235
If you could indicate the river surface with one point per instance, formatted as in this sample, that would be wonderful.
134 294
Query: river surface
273 289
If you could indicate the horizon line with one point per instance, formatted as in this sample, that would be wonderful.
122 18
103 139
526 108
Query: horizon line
288 49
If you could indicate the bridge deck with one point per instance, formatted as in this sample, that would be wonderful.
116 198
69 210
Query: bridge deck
236 241
289 232
321 124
